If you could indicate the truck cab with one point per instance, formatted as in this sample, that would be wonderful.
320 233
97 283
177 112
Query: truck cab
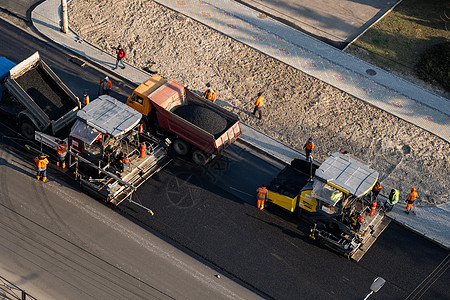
196 125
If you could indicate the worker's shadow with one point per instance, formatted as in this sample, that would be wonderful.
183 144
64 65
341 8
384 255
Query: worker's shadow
299 235
18 168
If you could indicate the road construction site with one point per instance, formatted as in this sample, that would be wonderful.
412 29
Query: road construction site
215 171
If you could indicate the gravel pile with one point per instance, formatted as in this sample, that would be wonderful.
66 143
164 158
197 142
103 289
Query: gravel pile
203 117
45 92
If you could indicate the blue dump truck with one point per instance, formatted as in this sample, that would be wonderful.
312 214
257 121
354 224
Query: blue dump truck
35 98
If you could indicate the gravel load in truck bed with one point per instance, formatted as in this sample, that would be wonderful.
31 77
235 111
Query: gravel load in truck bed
204 117
46 93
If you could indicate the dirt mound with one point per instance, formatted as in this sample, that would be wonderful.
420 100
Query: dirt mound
203 117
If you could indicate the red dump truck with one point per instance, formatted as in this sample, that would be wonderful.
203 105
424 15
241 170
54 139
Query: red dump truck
196 125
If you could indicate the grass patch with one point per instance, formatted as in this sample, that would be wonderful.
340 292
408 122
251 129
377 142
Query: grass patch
398 40
434 65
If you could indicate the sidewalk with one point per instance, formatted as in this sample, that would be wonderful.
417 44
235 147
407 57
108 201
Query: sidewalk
430 222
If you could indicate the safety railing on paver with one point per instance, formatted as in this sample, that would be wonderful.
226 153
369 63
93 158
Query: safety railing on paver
10 291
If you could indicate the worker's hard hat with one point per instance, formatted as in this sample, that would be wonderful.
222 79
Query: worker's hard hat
413 189
42 155
106 78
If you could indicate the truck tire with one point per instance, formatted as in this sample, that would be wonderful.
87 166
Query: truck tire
27 129
199 157
181 147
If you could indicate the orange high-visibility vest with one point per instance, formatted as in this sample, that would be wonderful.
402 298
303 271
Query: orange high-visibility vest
377 188
85 99
106 84
210 94
259 101
262 193
309 145
41 163
412 196
61 149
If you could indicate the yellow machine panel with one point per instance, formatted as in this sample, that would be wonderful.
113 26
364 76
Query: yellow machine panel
307 201
283 201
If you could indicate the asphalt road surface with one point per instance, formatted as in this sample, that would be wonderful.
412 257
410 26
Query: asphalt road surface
207 210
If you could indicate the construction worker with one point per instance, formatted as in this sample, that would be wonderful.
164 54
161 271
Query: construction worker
392 200
61 152
259 105
105 86
85 98
360 223
376 191
41 164
261 195
210 94
120 57
125 163
411 198
309 147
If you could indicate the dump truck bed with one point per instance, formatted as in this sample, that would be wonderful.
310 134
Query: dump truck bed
46 100
47 94
176 107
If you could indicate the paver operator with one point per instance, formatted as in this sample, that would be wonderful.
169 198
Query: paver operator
41 165
411 198
261 195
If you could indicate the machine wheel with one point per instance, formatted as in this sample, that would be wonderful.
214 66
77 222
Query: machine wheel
27 129
199 157
181 147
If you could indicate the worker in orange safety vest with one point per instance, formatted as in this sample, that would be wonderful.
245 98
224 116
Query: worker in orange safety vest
411 198
259 105
61 152
261 196
41 166
376 190
105 86
309 147
125 163
85 99
210 94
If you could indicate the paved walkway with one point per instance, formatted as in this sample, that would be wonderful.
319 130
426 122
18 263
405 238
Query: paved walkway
431 222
